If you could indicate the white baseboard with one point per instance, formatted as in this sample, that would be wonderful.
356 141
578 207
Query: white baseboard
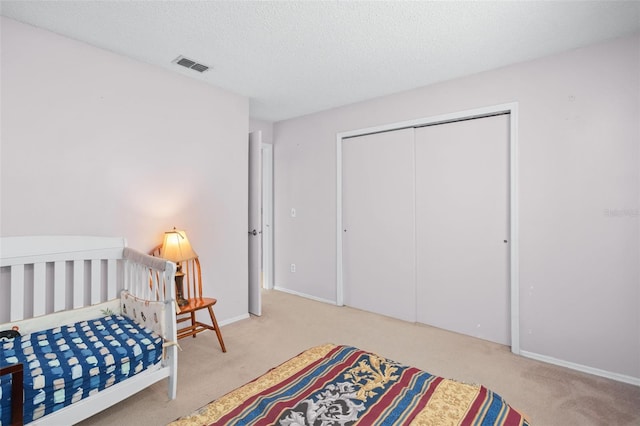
583 368
306 296
232 320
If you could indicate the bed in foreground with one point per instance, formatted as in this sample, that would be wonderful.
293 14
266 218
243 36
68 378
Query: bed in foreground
342 385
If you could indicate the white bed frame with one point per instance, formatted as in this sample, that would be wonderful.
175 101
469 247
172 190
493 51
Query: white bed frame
49 281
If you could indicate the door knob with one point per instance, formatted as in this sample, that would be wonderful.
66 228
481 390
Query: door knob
254 232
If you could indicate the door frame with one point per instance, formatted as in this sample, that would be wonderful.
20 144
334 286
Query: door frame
267 215
509 108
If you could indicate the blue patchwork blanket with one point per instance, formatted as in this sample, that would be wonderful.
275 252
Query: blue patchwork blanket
62 365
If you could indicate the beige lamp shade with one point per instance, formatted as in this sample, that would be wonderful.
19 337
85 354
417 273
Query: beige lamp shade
176 247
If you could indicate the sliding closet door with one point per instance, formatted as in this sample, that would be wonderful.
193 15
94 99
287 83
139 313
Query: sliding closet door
462 206
378 220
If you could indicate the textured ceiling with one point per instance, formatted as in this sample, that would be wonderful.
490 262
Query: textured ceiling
295 58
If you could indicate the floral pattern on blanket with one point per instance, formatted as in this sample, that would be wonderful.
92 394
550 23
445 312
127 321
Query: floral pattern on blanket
340 403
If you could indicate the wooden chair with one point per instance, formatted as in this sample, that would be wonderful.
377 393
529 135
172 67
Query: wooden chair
192 285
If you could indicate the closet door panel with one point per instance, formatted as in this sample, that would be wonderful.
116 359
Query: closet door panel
378 218
462 205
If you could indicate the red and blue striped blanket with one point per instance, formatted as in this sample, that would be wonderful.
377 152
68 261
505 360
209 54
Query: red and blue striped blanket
340 385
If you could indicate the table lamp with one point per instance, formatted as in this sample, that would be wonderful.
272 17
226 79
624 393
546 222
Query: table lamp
176 248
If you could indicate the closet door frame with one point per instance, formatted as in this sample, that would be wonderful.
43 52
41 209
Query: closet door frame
508 108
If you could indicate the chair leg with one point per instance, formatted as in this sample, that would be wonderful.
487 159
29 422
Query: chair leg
218 333
193 325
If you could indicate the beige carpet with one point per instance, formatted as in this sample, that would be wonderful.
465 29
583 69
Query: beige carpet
549 395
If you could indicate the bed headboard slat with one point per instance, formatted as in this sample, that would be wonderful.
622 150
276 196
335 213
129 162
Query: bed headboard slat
95 281
17 292
59 285
112 270
39 287
78 284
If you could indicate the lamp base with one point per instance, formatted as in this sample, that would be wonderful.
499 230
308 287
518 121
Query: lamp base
179 288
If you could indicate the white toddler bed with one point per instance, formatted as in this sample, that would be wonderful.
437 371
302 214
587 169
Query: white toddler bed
77 285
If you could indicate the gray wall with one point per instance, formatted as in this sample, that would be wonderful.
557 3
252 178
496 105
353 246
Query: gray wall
578 186
97 144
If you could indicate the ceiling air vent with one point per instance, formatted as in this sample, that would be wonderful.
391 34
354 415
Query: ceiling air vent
188 63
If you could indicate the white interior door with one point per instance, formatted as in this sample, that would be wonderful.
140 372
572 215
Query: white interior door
255 226
462 227
378 222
